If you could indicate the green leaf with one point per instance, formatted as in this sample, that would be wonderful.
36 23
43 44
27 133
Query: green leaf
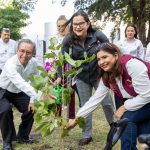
47 130
81 122
58 64
58 47
69 59
41 68
61 58
47 103
37 118
50 55
79 63
40 126
38 82
64 133
89 59
71 72
66 95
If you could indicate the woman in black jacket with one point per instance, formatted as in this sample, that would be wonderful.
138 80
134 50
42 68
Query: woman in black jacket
82 41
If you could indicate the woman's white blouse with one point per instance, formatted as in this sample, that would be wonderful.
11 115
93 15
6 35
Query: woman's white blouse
147 55
134 48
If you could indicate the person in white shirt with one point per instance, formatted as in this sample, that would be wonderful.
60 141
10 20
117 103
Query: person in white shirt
147 53
7 47
61 28
129 78
15 89
131 44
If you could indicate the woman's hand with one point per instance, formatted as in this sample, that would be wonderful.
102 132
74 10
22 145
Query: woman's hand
57 81
71 124
118 114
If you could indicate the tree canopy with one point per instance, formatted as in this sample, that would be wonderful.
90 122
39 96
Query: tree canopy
13 19
14 15
127 11
26 5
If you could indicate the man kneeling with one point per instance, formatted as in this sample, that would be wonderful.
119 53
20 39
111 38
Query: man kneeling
15 90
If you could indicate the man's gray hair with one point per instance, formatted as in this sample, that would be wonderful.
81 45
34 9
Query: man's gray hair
29 42
5 30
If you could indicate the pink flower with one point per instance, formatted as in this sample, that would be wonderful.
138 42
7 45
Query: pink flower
48 66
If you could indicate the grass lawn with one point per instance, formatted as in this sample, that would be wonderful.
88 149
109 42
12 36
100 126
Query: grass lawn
52 142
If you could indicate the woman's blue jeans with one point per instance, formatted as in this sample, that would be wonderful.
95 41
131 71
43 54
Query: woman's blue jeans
139 123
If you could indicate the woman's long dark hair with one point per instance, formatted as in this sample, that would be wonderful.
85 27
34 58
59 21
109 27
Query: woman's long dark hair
112 49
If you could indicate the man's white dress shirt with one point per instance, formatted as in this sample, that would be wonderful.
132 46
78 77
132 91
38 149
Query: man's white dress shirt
7 50
14 77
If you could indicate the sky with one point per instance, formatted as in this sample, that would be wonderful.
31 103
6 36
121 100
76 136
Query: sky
46 12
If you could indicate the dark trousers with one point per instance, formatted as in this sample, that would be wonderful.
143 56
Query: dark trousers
20 101
139 123
71 107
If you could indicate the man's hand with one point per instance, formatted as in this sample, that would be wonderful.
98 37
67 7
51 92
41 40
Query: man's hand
31 107
57 81
71 124
121 110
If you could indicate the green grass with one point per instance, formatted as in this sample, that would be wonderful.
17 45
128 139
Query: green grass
52 142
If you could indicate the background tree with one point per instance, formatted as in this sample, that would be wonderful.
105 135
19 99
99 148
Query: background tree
26 5
13 19
14 15
135 11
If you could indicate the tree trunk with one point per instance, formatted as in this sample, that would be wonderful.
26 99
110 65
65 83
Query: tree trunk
140 21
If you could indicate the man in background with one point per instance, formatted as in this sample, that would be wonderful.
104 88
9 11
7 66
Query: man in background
7 47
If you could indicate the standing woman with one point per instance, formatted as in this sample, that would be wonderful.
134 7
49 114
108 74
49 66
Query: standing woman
84 40
129 78
131 44
62 32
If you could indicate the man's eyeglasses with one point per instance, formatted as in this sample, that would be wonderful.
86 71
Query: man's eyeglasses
21 51
80 24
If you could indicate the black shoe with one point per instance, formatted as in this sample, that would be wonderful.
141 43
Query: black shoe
25 141
85 141
7 146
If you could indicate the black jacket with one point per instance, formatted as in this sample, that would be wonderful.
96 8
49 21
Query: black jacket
90 70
